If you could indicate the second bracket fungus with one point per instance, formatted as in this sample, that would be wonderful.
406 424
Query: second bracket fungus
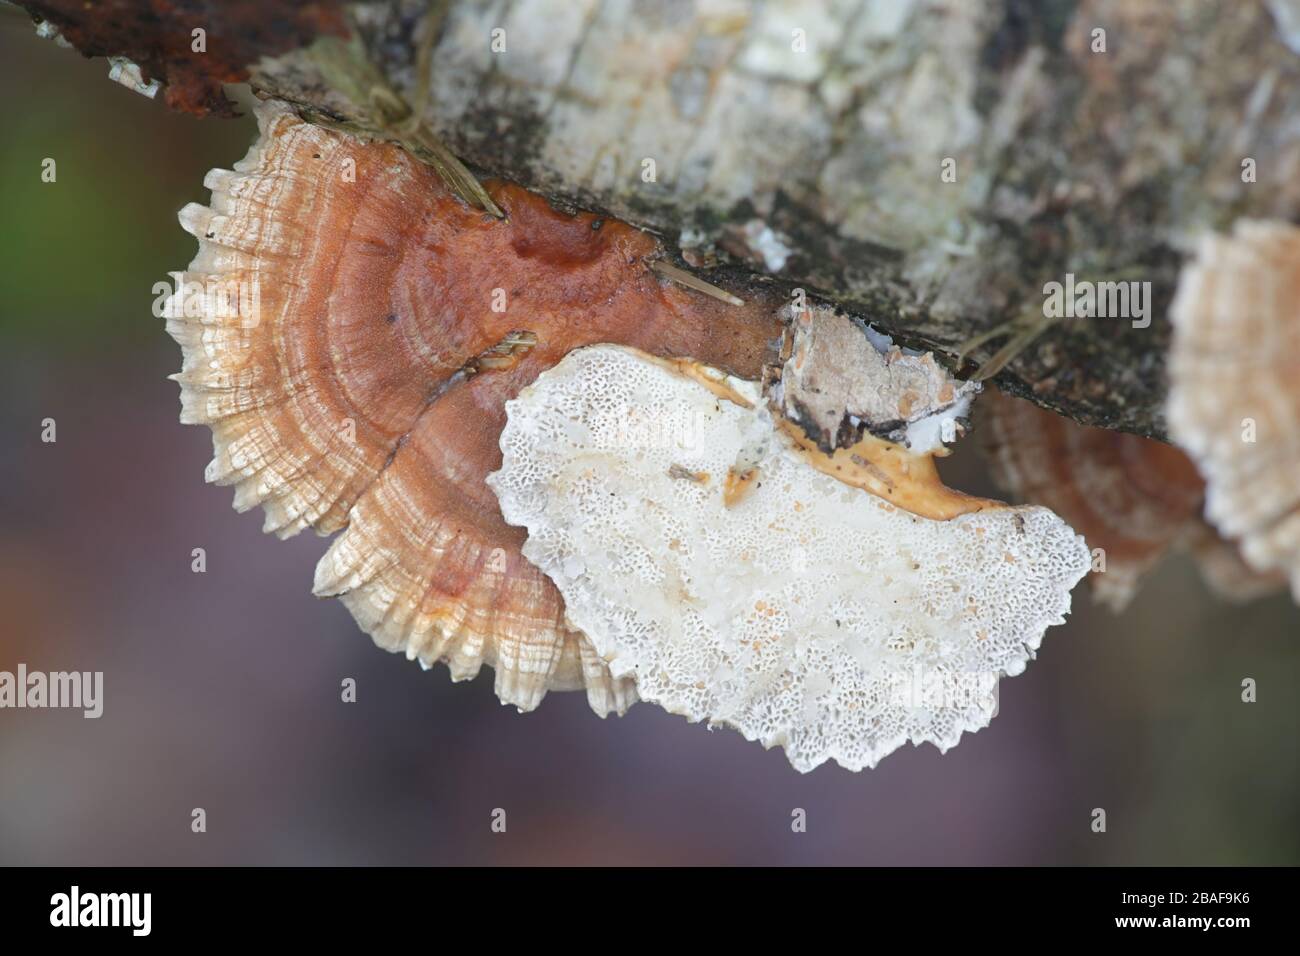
809 613
1133 499
1234 394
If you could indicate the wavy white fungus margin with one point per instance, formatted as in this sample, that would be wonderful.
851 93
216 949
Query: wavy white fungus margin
810 614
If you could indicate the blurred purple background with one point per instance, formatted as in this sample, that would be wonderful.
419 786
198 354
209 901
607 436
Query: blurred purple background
223 689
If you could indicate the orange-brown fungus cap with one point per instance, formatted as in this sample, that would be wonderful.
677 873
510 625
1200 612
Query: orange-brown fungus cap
1132 497
356 380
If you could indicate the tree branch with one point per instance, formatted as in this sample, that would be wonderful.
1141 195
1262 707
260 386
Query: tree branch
930 166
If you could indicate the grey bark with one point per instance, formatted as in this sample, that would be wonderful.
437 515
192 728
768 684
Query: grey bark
821 163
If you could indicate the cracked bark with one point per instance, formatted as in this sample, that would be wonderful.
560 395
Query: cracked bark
822 167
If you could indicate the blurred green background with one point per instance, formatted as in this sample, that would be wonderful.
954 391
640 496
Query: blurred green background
222 689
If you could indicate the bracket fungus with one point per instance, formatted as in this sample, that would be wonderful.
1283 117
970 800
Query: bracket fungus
1132 498
812 614
1234 392
350 334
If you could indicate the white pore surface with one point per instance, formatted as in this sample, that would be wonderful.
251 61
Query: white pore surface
810 614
